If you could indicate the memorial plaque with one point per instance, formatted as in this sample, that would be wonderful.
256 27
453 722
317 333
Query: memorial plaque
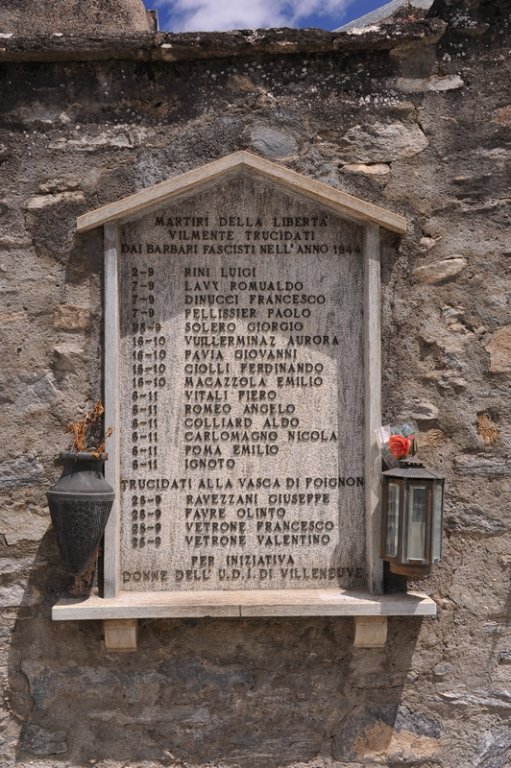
241 393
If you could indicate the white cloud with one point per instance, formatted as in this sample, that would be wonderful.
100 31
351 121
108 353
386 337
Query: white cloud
222 15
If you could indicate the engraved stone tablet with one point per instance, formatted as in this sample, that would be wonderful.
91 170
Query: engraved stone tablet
241 393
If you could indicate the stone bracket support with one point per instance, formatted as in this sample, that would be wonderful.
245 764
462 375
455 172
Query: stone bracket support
370 631
120 634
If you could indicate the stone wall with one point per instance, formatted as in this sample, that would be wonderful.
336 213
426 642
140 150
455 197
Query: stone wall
415 117
56 18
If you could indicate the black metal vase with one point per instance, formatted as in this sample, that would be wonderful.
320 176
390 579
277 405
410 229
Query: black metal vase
80 504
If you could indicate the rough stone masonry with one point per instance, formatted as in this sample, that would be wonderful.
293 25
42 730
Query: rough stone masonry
414 116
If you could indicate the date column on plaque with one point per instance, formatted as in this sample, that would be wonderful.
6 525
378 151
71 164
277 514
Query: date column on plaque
242 402
149 379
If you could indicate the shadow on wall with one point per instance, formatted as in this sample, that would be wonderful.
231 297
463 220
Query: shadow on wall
256 693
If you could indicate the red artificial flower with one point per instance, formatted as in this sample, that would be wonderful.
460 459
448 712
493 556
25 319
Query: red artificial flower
400 446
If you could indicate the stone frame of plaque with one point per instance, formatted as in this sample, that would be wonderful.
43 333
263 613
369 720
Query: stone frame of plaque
184 285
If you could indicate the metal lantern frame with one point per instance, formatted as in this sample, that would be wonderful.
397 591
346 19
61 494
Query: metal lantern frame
412 518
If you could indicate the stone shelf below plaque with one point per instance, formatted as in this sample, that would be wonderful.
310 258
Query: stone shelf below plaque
121 613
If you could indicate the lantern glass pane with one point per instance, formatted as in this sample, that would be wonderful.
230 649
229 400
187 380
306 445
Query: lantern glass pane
437 520
416 528
391 539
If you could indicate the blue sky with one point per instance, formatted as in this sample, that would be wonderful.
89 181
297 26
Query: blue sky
221 15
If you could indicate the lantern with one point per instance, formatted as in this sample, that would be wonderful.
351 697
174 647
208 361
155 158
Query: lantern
412 518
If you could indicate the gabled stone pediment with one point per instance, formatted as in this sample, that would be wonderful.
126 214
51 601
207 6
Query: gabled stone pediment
345 205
